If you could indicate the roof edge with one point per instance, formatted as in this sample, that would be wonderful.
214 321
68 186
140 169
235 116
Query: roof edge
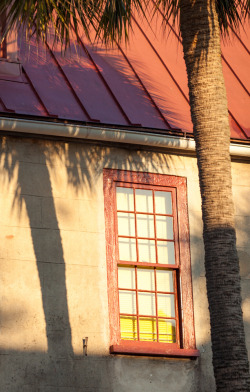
115 135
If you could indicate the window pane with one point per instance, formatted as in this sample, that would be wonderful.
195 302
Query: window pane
146 250
146 303
163 203
125 199
126 278
167 331
145 279
164 227
128 328
126 224
164 280
166 254
127 300
144 200
127 249
166 306
147 328
145 226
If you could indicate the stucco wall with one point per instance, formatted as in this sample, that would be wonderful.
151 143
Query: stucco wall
53 270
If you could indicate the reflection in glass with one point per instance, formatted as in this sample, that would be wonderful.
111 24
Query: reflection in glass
146 249
163 202
166 253
167 331
145 279
164 227
164 280
125 199
144 200
146 303
126 278
127 249
147 328
127 300
166 306
145 226
128 328
126 224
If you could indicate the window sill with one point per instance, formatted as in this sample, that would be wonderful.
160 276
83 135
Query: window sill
153 349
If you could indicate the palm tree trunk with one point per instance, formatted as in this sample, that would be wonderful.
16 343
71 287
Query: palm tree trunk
201 44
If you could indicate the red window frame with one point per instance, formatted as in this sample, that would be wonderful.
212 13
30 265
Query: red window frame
185 335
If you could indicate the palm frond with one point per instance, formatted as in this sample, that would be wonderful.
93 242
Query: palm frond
37 16
115 17
111 19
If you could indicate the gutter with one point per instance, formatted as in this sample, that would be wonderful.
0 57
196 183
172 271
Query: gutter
86 132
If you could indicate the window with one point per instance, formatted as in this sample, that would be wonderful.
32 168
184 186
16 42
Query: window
149 277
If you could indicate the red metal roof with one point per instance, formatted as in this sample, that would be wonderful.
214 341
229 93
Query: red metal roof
142 84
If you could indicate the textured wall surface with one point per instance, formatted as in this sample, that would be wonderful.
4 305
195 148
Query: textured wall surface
53 281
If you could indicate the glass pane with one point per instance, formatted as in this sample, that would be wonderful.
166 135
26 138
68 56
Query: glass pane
127 249
146 303
166 306
167 331
145 279
163 203
164 227
125 199
128 328
164 280
166 254
126 224
145 226
144 200
147 328
146 249
126 278
127 300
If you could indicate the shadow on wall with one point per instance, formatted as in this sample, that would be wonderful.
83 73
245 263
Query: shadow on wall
26 167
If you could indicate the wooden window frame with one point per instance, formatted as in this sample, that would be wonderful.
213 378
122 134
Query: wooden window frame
185 346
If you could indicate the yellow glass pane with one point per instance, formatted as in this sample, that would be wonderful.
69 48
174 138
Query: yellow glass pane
145 226
127 249
147 327
146 250
125 199
167 331
126 278
144 200
126 224
145 279
164 280
164 227
163 202
166 253
128 328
